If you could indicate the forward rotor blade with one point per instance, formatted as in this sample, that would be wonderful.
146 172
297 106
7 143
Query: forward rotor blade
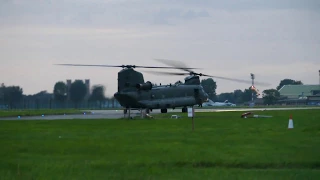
87 65
123 66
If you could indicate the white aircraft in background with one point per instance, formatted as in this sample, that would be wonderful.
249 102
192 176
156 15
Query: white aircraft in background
211 103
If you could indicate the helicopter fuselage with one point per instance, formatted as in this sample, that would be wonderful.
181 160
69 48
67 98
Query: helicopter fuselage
163 97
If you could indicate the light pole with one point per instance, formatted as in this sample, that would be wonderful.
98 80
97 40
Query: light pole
319 77
252 78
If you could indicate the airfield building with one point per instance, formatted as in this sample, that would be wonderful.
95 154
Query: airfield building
300 95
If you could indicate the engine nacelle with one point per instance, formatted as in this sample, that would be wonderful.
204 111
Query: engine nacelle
144 86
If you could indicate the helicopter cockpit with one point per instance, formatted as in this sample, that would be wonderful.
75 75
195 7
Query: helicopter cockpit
206 96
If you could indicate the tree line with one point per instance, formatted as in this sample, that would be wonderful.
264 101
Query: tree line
269 96
78 92
11 95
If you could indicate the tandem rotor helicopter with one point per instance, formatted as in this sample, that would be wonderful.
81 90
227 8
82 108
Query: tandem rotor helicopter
134 93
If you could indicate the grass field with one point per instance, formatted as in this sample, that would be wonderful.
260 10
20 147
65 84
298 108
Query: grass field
222 146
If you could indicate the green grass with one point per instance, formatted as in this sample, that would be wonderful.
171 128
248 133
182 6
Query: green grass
38 112
222 146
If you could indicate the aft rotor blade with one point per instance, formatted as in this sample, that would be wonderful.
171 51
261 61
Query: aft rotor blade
167 73
238 80
175 63
123 66
218 77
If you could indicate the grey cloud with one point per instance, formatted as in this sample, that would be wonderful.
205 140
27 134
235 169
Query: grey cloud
94 13
239 37
246 4
190 14
171 16
113 13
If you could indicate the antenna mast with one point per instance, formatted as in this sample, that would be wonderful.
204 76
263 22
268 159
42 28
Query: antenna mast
252 78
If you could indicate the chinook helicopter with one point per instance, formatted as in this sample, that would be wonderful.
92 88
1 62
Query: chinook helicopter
134 93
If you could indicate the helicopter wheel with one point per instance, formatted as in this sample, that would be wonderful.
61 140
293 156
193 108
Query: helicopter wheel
184 109
163 110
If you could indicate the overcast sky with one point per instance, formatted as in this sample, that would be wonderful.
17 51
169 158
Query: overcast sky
273 39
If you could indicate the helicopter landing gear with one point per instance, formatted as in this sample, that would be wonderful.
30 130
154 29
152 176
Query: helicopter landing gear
184 109
163 110
148 110
125 111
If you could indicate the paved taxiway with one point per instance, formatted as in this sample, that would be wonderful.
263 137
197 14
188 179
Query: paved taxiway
115 114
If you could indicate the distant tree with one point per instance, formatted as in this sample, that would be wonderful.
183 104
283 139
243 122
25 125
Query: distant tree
78 91
41 93
288 82
270 96
237 96
42 97
2 88
113 100
60 91
226 96
11 94
247 95
210 86
98 94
